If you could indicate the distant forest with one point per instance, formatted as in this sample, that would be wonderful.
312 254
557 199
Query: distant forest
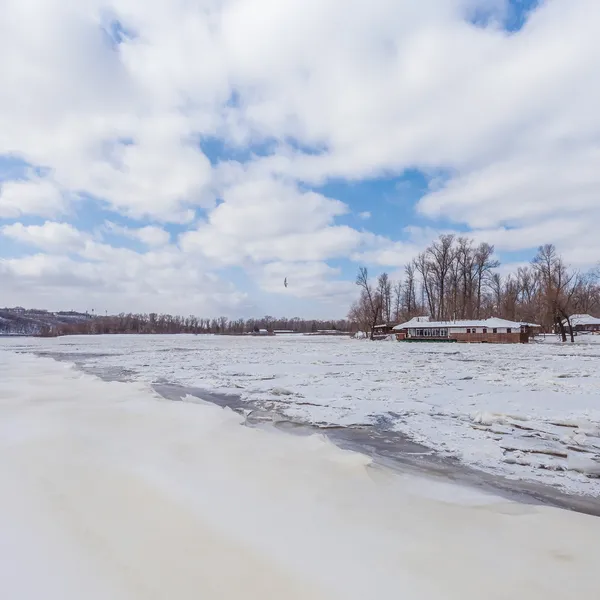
169 324
454 278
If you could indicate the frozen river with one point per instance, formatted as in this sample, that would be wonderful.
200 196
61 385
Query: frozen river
526 412
111 491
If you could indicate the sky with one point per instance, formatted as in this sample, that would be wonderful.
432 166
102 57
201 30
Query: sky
187 156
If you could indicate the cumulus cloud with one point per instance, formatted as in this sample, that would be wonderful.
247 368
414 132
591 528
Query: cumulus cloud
112 102
264 220
51 237
119 280
309 280
32 197
150 235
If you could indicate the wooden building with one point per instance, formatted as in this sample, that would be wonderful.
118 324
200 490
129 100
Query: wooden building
383 331
490 331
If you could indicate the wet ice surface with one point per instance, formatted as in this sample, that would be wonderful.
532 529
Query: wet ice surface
530 413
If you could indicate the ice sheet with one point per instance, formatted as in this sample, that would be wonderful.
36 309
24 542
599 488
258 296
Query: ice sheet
464 401
109 491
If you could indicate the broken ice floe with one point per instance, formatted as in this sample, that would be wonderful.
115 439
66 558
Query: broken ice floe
572 446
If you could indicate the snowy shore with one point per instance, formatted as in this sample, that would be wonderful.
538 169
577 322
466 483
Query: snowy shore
113 492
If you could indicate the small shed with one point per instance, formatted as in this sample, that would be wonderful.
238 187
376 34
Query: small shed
384 329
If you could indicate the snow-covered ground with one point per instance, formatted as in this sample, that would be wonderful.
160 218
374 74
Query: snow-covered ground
521 411
109 491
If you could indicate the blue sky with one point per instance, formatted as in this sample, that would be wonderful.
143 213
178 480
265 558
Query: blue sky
153 160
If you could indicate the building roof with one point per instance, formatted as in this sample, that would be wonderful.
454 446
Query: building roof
583 320
420 323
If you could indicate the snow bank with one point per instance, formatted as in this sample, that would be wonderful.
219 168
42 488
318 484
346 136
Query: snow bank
111 492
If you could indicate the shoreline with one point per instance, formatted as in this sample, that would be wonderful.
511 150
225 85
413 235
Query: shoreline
395 451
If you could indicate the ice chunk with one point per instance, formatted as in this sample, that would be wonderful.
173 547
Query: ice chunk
533 445
583 464
487 418
279 391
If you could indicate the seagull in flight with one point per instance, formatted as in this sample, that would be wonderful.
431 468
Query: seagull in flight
285 282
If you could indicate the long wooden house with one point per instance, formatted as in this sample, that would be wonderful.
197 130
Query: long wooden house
491 331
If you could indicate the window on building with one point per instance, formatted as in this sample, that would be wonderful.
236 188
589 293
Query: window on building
468 331
485 330
495 330
509 330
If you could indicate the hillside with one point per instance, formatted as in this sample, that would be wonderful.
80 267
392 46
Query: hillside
19 321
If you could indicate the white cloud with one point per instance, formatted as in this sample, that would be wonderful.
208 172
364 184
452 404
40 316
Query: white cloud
521 189
51 237
262 220
311 280
32 197
118 280
364 215
389 254
150 235
326 243
382 251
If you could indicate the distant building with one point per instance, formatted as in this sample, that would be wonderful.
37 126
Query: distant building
383 331
492 331
582 323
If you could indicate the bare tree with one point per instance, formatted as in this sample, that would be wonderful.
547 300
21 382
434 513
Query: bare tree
423 267
484 264
372 298
558 288
441 255
398 294
496 287
384 289
223 324
466 261
410 295
360 313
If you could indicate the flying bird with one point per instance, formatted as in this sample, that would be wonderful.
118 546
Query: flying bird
285 282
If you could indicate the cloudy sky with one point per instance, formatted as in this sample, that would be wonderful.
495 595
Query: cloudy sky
188 155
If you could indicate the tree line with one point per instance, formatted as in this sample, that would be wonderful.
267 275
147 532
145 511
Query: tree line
154 323
456 279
